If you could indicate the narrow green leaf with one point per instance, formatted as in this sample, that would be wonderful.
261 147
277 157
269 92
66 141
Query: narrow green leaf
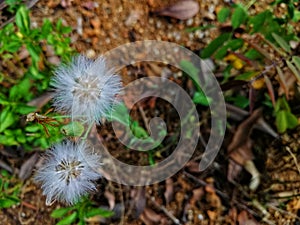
281 42
192 71
6 119
230 45
294 70
100 212
8 140
296 61
200 98
223 14
57 213
292 121
20 90
7 202
281 122
253 54
24 109
34 52
214 45
22 19
258 20
68 220
239 16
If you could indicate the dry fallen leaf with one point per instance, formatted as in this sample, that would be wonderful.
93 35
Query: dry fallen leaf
169 193
240 151
27 167
138 201
150 217
245 219
182 10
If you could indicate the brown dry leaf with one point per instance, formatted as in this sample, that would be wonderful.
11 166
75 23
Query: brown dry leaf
139 201
40 101
182 10
287 84
198 193
239 114
27 167
245 219
169 193
239 149
270 89
244 130
150 217
111 199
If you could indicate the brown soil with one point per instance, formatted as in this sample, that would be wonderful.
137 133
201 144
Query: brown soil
189 196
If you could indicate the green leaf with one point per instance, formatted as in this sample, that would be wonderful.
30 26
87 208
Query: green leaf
230 45
281 122
253 54
46 28
223 14
57 213
192 71
22 20
293 69
24 109
20 90
214 45
74 129
281 42
34 52
246 76
8 202
200 98
240 101
138 131
239 16
100 212
296 61
68 220
6 119
120 114
8 140
257 21
285 120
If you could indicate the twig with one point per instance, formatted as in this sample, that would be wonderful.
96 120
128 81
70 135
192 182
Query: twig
294 158
283 211
161 207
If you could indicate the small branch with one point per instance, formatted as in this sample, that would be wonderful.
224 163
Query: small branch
162 208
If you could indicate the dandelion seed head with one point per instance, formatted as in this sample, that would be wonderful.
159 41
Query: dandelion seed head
85 88
69 172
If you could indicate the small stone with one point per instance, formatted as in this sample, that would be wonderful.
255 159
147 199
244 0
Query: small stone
190 22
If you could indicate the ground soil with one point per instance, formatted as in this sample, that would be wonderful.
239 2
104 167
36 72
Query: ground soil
189 197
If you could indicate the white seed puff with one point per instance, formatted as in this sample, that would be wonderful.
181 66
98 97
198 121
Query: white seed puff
85 88
69 172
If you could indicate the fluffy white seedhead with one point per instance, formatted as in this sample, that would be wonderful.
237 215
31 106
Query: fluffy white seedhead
69 172
85 88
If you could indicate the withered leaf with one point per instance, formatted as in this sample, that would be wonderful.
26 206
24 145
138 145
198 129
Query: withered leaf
150 217
243 132
239 149
270 89
169 193
182 10
139 200
27 167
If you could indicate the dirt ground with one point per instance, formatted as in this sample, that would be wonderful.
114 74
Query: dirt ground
189 197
